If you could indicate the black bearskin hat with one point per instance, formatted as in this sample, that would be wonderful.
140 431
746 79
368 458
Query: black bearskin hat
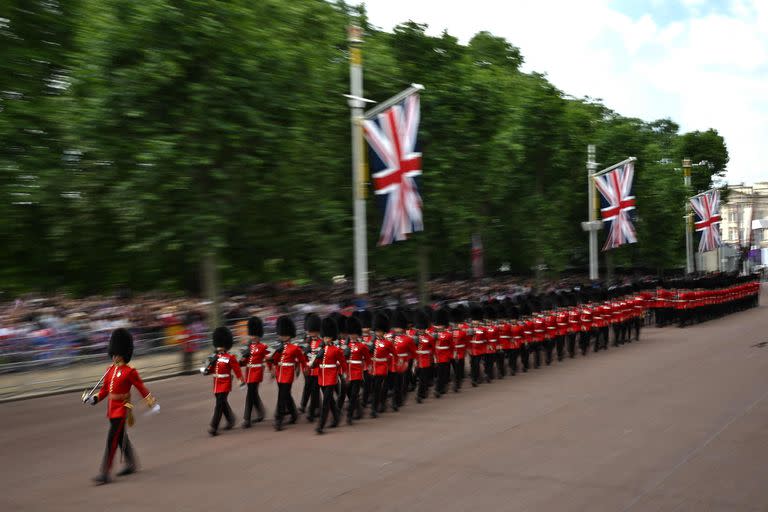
366 318
353 326
121 344
421 320
311 323
399 320
429 312
381 322
441 317
329 328
222 338
457 314
476 311
490 312
341 322
286 327
255 327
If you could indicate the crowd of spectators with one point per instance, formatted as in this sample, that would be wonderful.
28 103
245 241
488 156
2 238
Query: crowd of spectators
59 329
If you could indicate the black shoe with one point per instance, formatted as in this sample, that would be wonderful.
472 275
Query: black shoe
319 431
278 426
293 420
259 419
128 470
213 432
302 410
246 424
349 421
101 479
310 419
334 424
229 426
374 414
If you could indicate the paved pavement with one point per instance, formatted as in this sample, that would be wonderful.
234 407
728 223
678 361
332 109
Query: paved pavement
678 421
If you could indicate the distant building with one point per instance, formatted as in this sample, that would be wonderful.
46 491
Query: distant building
747 206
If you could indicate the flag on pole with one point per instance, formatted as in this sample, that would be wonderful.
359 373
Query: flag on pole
617 204
706 208
396 167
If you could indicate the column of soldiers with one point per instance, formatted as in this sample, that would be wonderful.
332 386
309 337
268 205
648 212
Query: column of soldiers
375 359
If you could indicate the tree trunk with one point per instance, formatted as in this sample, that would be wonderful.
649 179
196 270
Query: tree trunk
210 277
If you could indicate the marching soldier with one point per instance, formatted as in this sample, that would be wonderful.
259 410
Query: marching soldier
116 387
574 326
359 360
459 333
253 360
342 341
516 333
561 318
444 348
527 345
476 344
424 353
383 353
586 321
311 392
330 362
366 321
285 360
492 341
222 365
405 351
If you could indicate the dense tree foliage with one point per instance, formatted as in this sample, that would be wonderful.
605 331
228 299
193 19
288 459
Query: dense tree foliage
138 138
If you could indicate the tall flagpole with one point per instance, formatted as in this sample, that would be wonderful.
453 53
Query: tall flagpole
356 103
688 218
593 225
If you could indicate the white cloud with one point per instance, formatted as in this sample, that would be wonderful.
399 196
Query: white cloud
705 71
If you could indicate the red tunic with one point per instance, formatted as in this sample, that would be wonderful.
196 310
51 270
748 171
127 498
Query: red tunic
492 339
222 370
405 350
505 336
117 385
254 362
539 328
528 331
315 342
424 350
333 361
517 335
359 360
550 322
459 343
477 342
383 353
285 361
444 347
561 318
587 319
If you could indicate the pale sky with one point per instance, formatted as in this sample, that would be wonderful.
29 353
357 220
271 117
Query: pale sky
702 63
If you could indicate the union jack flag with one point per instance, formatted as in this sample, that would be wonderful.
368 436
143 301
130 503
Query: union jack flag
396 163
706 207
617 203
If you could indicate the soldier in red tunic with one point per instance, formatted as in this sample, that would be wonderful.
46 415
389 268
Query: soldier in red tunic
477 342
118 381
359 360
286 360
221 365
330 363
459 332
405 351
383 353
443 350
425 349
253 357
313 344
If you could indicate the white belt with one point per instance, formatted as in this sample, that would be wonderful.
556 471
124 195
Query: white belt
355 362
285 364
460 346
504 337
551 327
402 355
538 330
528 332
328 366
518 337
443 348
423 352
258 365
221 375
380 359
477 342
562 324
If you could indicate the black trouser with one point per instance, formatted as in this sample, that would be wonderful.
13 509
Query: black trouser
379 392
423 377
329 405
355 408
117 437
395 387
443 375
560 347
367 387
512 360
525 351
572 344
617 337
458 373
305 393
314 397
342 386
285 403
474 369
488 359
638 326
222 407
584 337
500 367
549 345
253 401
537 354
410 377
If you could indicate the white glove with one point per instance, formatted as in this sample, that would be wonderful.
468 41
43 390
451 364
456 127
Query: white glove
242 385
93 400
153 410
202 371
